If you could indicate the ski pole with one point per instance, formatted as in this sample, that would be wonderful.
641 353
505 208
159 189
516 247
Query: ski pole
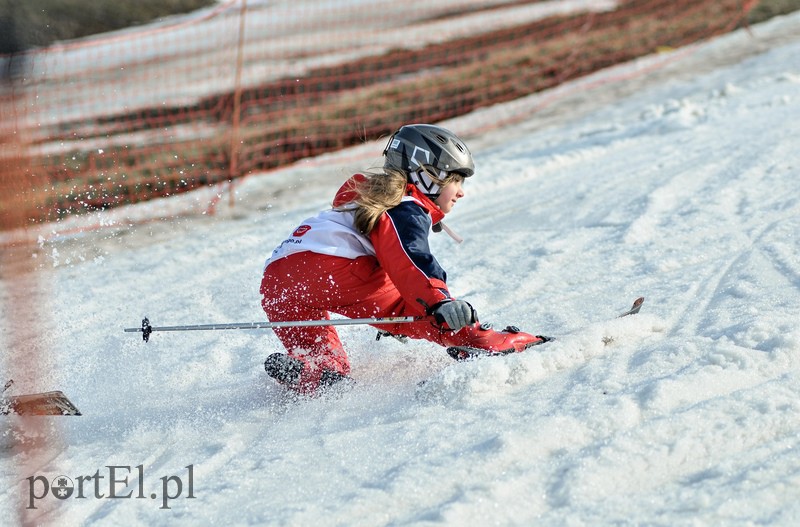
146 329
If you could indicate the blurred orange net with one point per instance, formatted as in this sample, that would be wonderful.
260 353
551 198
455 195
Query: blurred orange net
250 86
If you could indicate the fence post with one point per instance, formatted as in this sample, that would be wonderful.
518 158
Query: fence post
233 165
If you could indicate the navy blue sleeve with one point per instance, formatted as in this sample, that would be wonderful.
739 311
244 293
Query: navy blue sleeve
413 226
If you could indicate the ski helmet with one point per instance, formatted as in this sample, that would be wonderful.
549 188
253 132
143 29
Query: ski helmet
416 145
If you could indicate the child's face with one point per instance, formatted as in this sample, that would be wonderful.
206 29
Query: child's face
450 193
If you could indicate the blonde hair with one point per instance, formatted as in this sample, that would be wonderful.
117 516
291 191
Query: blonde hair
381 191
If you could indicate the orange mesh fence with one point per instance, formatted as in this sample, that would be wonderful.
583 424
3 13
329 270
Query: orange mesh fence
251 86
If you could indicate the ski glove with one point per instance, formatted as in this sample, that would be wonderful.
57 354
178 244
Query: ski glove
455 313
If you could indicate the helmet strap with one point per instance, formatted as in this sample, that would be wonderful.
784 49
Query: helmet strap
439 227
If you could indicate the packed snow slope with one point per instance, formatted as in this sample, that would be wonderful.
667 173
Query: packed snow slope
684 191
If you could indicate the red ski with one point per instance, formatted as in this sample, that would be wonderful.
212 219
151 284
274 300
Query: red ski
466 352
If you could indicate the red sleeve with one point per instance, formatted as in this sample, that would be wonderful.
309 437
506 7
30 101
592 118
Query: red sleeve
401 246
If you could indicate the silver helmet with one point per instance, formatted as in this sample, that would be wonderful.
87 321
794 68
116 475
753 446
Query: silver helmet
415 146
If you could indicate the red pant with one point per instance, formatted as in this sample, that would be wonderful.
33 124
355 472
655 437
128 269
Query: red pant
308 286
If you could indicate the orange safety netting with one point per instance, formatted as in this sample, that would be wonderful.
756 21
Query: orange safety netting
247 87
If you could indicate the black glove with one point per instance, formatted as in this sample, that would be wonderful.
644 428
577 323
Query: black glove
455 313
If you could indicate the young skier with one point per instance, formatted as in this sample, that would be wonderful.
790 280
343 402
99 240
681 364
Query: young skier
369 256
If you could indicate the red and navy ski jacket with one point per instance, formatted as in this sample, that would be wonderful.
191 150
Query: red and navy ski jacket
399 242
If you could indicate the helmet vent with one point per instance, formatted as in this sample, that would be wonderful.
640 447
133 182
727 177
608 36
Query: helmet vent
442 139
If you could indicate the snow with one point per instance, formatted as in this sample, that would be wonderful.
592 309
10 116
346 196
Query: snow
679 185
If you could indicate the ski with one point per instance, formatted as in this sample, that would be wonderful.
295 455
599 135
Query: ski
465 352
47 403
637 305
461 353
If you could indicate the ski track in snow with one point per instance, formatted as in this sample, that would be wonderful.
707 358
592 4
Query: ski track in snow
684 192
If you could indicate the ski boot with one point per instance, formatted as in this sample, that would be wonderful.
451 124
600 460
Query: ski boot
481 340
294 374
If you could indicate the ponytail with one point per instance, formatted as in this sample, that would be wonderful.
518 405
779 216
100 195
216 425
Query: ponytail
377 193
380 191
